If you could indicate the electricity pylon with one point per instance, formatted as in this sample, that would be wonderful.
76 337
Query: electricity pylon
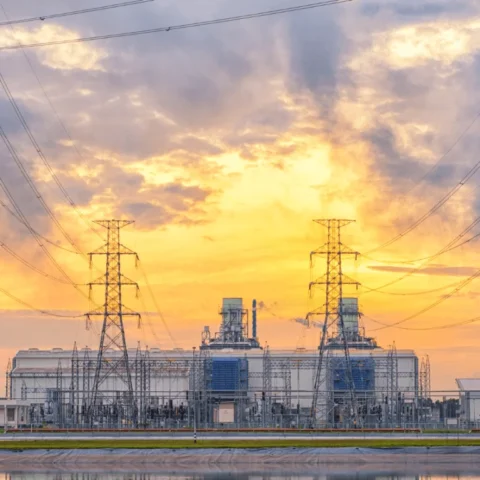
332 310
113 312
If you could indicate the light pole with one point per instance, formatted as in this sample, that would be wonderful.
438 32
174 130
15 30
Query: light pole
194 399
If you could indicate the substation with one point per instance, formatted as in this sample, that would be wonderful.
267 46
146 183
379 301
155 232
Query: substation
229 380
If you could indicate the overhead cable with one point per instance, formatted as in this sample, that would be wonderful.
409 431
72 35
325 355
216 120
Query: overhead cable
442 299
31 229
37 238
445 249
63 127
149 321
160 314
39 310
45 161
184 26
432 210
19 212
422 292
438 327
430 257
445 154
15 255
74 12
33 187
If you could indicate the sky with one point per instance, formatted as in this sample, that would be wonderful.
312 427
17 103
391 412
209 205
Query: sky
223 143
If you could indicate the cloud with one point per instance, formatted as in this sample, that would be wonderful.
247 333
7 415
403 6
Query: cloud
165 204
427 9
62 57
460 271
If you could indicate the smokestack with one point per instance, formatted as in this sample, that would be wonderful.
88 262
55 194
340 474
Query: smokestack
254 319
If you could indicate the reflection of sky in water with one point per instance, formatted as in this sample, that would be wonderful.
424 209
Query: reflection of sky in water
218 475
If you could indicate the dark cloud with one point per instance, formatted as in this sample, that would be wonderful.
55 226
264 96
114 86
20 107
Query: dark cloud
146 214
428 9
316 43
8 121
198 146
390 161
404 84
152 207
431 270
414 8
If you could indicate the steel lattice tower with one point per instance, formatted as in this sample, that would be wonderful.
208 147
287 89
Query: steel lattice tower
113 312
333 280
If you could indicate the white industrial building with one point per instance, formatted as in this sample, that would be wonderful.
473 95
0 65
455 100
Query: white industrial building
469 389
38 375
229 379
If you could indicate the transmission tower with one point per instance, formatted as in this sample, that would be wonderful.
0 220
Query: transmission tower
113 312
333 325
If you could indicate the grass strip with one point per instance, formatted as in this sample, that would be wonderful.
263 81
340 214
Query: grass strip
173 444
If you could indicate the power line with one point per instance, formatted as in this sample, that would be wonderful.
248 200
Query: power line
184 26
162 318
423 292
149 321
62 125
30 307
442 299
32 185
445 249
432 210
45 161
30 265
444 199
75 12
37 238
19 212
31 229
446 153
430 257
439 327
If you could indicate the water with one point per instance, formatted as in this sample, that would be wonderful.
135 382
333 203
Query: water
219 474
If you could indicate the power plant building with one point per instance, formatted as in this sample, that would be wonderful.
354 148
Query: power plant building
229 380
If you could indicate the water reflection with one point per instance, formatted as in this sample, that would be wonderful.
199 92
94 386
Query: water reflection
228 475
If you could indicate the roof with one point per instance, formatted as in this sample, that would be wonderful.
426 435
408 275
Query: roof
468 384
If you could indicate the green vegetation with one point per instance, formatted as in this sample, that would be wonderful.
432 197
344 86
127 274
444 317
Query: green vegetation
230 443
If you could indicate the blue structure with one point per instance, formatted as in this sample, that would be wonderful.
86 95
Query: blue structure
228 375
363 372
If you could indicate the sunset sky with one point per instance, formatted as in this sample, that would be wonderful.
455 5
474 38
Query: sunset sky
224 142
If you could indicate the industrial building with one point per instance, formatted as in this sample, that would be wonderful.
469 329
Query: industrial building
229 380
469 389
221 384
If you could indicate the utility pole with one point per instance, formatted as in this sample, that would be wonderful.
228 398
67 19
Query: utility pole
113 312
332 310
